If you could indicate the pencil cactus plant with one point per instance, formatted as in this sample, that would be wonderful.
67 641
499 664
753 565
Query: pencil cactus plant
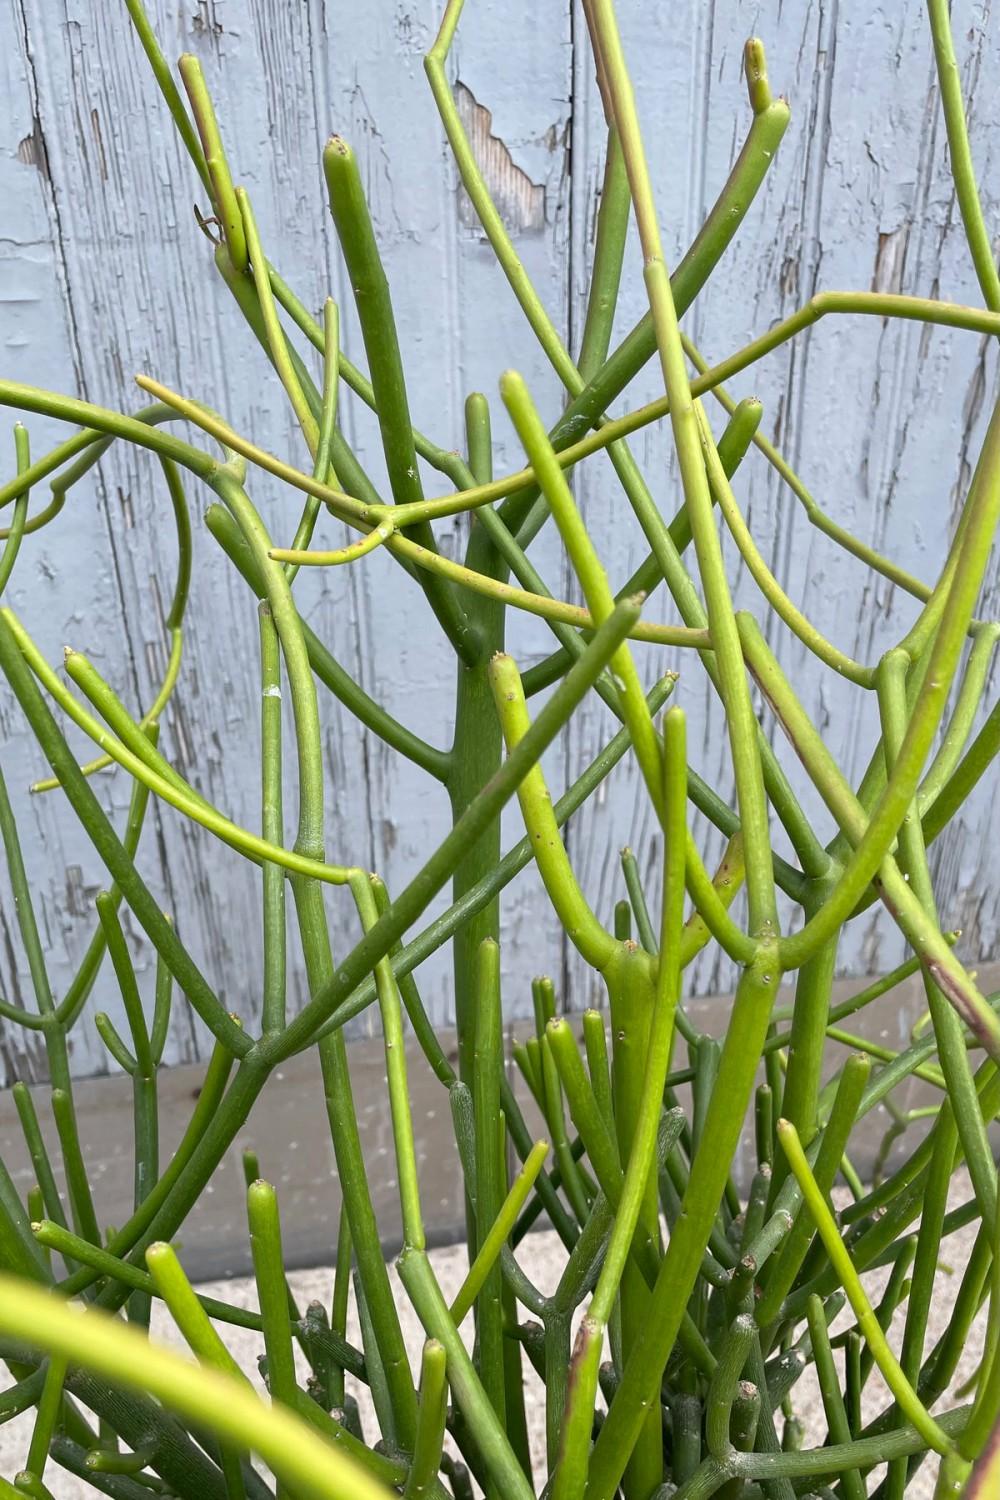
689 1304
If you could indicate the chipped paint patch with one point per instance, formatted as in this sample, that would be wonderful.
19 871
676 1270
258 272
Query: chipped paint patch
890 260
31 149
519 201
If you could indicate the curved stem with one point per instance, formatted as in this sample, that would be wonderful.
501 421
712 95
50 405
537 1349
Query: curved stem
95 419
341 503
97 1342
769 586
823 304
340 555
488 587
329 671
150 769
110 849
173 622
814 512
712 918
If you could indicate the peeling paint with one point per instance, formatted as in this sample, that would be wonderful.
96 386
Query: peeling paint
890 261
519 201
31 149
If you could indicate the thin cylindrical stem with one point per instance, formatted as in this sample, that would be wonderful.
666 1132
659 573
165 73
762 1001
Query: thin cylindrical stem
271 826
314 1469
491 1185
430 1421
910 1404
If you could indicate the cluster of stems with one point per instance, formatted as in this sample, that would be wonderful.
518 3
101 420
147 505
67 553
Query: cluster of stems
690 1303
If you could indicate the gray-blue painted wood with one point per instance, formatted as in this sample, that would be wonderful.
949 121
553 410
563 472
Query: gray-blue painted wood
104 273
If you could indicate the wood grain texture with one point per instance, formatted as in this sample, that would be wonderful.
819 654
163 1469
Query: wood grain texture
104 272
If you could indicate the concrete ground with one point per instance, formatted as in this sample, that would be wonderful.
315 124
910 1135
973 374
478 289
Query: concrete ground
287 1127
543 1257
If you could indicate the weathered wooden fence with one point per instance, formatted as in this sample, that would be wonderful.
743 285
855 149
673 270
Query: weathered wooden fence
103 272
